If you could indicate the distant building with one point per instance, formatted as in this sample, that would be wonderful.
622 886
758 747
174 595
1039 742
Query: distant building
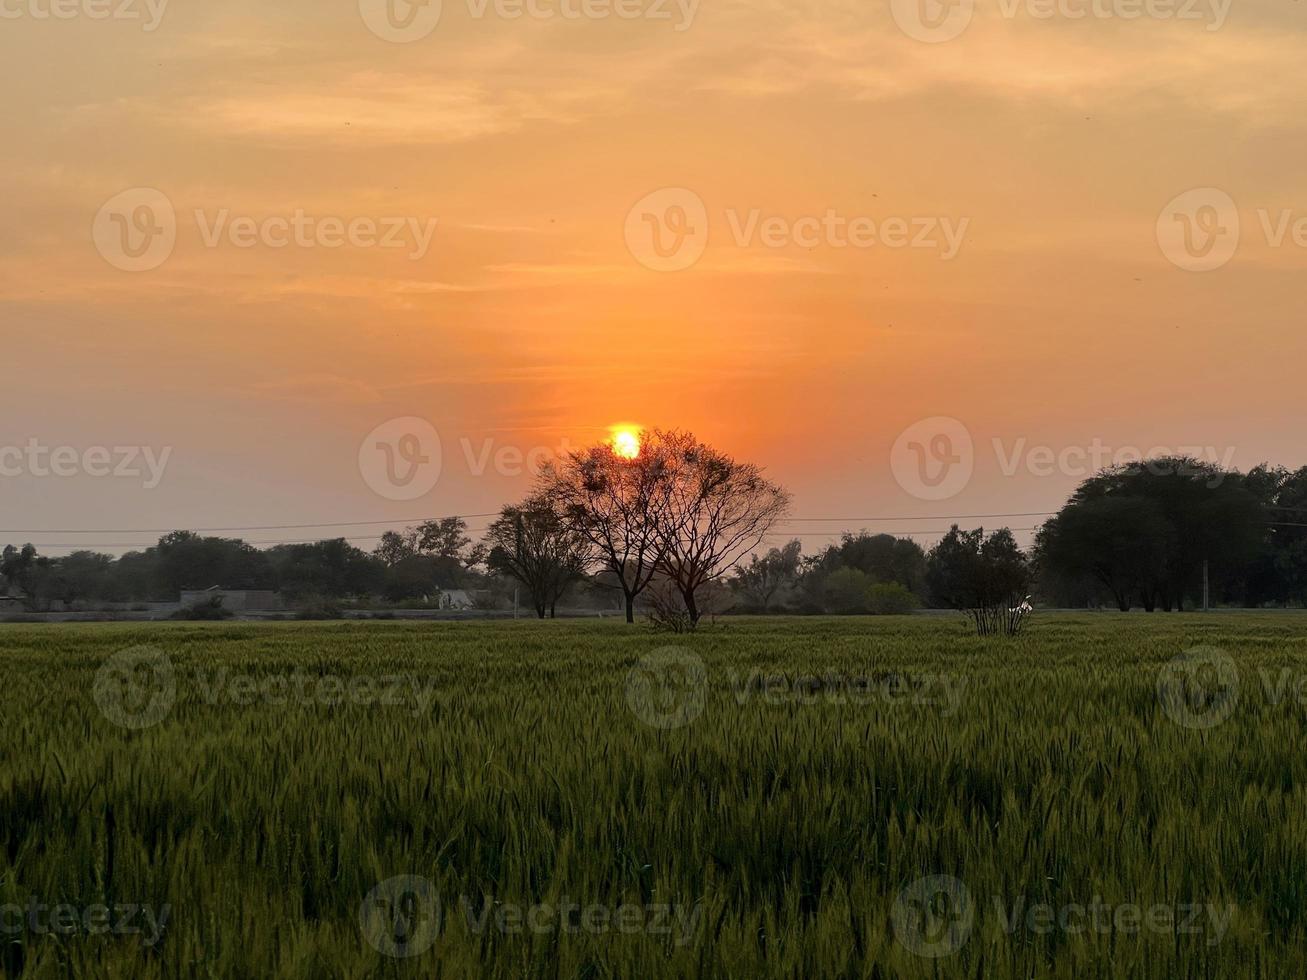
237 600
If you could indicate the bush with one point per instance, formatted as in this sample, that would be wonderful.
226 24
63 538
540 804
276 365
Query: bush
319 608
891 599
844 592
205 610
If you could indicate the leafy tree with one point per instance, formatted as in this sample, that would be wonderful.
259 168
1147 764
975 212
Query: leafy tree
883 557
443 538
985 576
762 579
396 547
185 560
1119 542
325 568
1148 527
532 544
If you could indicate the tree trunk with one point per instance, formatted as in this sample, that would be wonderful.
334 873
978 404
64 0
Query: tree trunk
691 606
630 608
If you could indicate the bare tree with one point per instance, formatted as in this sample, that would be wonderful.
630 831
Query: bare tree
716 510
615 502
532 544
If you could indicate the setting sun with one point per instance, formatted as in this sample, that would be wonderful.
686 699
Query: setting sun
626 442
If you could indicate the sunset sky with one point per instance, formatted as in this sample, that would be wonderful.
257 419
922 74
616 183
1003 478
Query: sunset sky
1057 143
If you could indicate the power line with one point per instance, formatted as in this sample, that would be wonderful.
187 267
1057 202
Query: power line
410 521
920 517
222 530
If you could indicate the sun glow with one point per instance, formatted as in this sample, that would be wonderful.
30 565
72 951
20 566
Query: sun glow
626 442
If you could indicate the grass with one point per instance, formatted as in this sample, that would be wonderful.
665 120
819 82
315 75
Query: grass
785 822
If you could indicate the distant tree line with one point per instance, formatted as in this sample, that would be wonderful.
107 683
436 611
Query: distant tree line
1140 536
676 533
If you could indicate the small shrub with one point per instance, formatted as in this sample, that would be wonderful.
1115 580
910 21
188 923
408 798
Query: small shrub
317 607
844 592
891 599
206 610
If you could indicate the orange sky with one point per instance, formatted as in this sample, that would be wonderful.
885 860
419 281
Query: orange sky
1056 143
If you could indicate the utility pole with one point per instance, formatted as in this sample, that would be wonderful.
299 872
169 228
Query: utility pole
1206 605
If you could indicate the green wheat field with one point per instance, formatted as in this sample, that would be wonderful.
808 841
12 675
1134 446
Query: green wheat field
879 797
